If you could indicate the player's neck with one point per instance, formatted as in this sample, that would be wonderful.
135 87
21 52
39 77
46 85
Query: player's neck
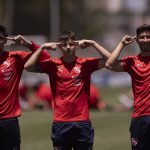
69 59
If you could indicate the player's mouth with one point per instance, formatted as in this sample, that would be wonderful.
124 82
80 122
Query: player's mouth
144 46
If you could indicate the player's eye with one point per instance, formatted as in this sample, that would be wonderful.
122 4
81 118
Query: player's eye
71 44
65 44
148 37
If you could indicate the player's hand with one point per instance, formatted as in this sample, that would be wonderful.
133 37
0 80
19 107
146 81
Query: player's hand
84 43
20 40
51 46
127 39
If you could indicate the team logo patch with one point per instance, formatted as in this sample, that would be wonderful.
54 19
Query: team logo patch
77 70
6 63
134 141
60 69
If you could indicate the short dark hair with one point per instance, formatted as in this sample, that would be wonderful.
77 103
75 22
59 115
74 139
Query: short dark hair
142 28
3 30
65 35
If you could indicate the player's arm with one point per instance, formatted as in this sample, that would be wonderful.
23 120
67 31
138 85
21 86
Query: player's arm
113 63
21 40
32 64
101 50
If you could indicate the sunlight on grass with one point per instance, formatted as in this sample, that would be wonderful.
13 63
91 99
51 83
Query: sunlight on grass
111 130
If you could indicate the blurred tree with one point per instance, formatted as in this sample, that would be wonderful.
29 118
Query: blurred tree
54 19
2 11
89 19
72 15
31 17
77 16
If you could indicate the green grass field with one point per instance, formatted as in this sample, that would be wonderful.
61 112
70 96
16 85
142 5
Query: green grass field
111 128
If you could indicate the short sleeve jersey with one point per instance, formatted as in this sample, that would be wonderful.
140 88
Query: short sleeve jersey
139 69
11 67
70 85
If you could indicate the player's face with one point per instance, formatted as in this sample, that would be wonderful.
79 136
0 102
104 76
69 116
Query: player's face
143 39
68 47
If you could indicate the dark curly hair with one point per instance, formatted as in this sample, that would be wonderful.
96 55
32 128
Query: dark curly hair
3 30
65 35
142 28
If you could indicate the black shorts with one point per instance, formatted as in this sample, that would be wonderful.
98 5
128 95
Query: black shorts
9 134
76 135
140 133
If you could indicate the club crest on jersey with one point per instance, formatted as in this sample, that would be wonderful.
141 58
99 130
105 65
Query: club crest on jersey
6 63
60 69
77 70
134 141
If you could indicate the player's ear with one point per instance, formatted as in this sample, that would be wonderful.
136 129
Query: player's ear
60 46
137 39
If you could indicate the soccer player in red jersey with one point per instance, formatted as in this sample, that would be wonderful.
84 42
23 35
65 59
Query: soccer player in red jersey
96 101
70 84
11 67
138 68
42 92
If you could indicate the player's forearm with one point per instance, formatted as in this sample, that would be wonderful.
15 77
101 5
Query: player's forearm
114 56
27 43
101 50
32 62
33 47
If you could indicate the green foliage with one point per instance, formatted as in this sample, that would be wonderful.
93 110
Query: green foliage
111 128
111 95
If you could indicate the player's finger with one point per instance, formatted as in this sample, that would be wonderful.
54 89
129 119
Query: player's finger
58 44
134 37
10 38
76 42
52 48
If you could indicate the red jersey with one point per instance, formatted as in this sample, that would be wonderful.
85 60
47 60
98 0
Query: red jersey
70 85
11 67
139 69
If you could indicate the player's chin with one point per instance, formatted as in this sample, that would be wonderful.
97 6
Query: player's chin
70 53
146 48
